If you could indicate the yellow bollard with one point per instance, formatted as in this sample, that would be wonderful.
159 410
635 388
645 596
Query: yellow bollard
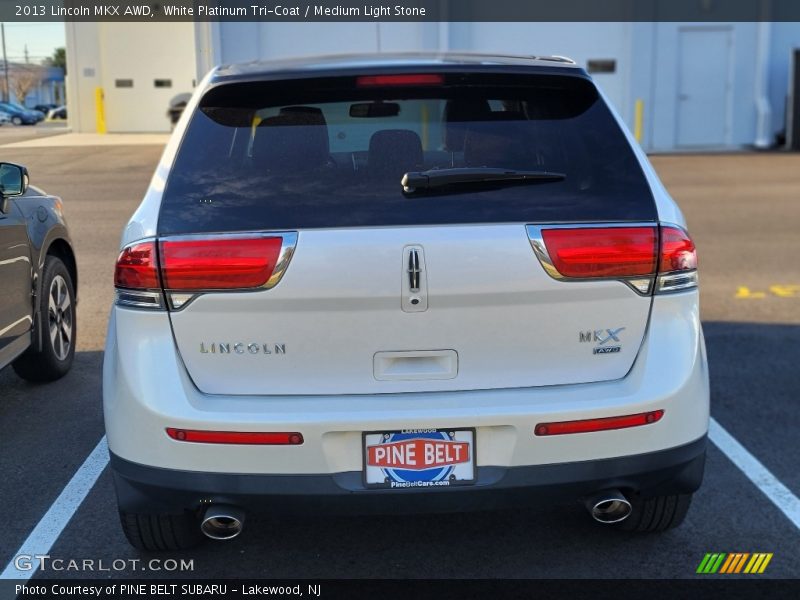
100 110
638 118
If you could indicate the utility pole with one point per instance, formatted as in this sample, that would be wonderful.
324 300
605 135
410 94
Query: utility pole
6 90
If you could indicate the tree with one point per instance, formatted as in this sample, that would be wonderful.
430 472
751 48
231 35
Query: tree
59 59
23 79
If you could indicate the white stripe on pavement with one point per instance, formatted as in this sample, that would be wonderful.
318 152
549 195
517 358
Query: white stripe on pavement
748 464
50 526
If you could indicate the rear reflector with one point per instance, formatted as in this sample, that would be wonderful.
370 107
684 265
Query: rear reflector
137 267
602 251
236 437
218 264
604 424
394 80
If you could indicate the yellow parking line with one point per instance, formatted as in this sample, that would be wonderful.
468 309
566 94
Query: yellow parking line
744 292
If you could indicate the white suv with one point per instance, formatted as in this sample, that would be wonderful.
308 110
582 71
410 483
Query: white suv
372 284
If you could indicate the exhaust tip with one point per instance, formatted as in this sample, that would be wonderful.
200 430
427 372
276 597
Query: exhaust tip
609 507
222 522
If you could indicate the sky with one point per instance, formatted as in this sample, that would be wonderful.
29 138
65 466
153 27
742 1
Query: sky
41 39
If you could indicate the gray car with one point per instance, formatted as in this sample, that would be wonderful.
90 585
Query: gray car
38 280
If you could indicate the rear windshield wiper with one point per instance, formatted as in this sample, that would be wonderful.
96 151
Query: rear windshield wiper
435 178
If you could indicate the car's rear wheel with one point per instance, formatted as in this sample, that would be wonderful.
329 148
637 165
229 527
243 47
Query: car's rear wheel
16 121
658 513
158 533
56 308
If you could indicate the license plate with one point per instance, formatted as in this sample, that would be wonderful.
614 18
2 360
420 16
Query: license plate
419 458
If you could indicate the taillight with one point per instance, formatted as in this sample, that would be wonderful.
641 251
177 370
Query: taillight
637 255
136 277
602 252
399 80
137 267
218 264
677 268
182 268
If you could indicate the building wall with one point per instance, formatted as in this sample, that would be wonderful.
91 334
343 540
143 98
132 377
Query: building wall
785 37
83 73
105 55
700 85
670 73
229 42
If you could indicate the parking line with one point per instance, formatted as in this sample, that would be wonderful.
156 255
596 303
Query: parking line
770 486
50 526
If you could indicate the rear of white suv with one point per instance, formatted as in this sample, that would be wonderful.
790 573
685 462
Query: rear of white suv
410 283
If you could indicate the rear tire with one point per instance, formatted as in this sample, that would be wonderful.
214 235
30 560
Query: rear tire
658 513
56 318
159 533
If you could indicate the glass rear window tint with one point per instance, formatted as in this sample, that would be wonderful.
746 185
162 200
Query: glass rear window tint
328 153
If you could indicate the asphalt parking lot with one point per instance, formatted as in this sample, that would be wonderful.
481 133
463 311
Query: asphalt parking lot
743 211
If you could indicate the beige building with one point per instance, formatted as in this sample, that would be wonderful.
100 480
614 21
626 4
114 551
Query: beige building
137 67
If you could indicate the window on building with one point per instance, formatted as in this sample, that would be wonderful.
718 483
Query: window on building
163 83
123 83
601 65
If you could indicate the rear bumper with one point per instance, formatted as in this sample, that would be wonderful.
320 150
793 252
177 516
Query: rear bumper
146 389
145 489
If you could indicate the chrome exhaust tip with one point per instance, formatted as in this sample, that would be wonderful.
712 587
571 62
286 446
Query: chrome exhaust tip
609 506
222 522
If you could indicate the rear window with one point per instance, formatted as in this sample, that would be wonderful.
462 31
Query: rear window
332 153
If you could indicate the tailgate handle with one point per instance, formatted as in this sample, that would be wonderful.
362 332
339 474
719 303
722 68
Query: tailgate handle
413 270
413 283
415 365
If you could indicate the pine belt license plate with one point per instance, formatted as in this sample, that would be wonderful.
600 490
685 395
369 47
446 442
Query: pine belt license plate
419 458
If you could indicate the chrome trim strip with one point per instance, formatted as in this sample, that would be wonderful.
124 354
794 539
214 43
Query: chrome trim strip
152 299
287 252
676 281
179 300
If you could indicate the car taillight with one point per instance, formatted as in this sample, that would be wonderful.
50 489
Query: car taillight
399 80
637 255
179 269
677 268
218 264
137 267
602 252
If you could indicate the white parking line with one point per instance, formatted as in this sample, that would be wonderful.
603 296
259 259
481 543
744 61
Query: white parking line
50 526
779 494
